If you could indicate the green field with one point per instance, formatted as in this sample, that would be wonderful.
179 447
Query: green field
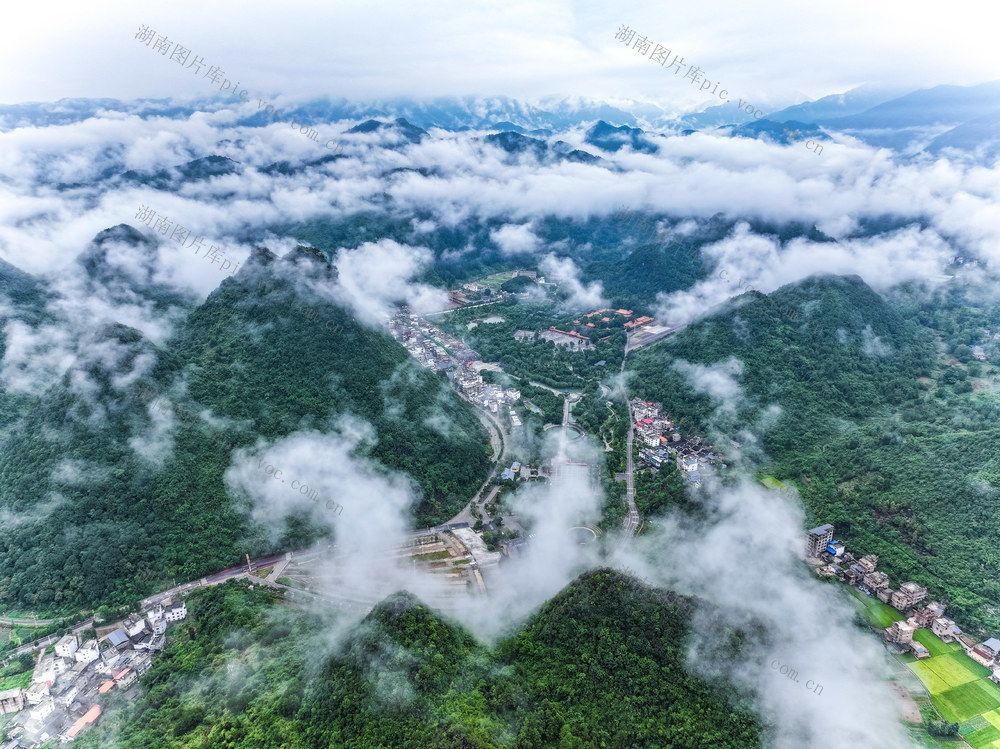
986 738
935 644
496 280
880 614
13 682
772 483
961 692
960 689
969 700
946 672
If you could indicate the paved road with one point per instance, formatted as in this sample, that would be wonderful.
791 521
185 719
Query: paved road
632 519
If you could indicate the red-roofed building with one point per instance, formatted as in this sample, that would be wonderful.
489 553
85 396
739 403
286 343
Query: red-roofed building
591 325
638 322
126 678
647 421
605 319
106 687
624 312
85 720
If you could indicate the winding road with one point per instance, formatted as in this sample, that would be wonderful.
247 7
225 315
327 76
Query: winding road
632 519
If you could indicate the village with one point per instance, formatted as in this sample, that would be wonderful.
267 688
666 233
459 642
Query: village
68 682
831 558
664 443
440 352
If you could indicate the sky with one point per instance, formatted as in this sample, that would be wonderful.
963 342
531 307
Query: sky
55 196
360 51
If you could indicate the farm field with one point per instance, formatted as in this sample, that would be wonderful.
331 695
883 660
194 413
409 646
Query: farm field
935 644
960 689
880 614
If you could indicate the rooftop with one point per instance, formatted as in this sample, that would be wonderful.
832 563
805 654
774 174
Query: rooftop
822 530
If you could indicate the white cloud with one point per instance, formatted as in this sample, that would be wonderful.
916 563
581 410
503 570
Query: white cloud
566 273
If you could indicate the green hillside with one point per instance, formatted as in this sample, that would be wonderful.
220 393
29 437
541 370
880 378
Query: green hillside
263 359
885 426
601 664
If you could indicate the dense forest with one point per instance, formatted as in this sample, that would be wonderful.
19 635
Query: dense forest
535 358
107 499
886 423
601 664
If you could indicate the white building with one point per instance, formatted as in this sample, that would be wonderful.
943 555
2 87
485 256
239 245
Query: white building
36 693
134 625
88 652
43 709
66 646
175 611
155 614
67 695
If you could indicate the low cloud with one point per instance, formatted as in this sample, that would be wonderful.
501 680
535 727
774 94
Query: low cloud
566 273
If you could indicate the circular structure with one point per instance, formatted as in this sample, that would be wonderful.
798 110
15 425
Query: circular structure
583 535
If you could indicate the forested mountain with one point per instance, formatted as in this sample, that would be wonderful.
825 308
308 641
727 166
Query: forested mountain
886 423
601 664
99 491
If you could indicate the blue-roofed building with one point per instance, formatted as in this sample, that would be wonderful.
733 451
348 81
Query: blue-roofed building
507 475
117 637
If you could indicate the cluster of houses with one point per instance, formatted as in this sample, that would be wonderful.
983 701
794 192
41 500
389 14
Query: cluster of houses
66 686
663 442
515 470
437 350
862 573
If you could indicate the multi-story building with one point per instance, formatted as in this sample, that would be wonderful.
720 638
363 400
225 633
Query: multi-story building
37 692
945 629
901 633
986 652
88 652
876 581
66 646
868 562
908 596
818 539
134 625
174 612
926 616
11 700
43 709
126 678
